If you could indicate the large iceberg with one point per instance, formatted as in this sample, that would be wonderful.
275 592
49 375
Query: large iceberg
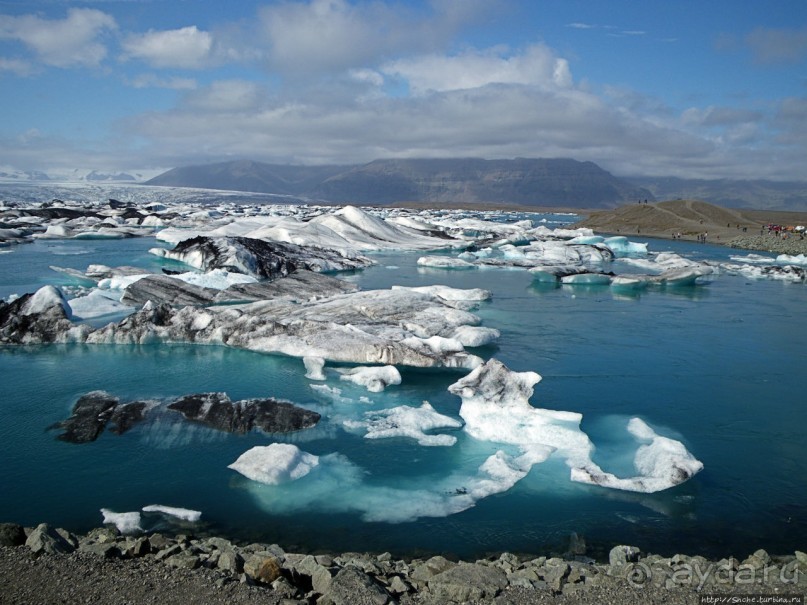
495 407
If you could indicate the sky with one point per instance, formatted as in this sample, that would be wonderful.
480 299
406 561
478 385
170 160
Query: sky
693 89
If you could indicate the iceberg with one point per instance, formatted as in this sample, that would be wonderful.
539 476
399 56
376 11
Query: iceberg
275 463
97 304
374 379
406 421
661 463
257 258
313 368
180 513
127 523
495 407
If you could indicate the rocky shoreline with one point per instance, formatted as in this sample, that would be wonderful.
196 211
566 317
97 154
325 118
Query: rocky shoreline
47 565
793 245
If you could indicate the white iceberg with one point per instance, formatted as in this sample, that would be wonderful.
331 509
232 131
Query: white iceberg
127 523
495 407
375 379
275 463
406 421
313 368
180 513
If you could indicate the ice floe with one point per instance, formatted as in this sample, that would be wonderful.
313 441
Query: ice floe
406 421
495 407
275 463
374 379
180 513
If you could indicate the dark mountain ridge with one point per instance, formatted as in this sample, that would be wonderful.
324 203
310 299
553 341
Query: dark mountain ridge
522 181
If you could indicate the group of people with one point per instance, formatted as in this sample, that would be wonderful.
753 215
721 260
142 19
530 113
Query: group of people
782 231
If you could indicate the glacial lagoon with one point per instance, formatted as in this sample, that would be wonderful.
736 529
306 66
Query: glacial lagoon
718 366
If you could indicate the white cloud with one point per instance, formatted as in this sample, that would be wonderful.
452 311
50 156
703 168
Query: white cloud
537 66
778 45
17 66
719 116
226 96
154 81
318 36
72 41
187 47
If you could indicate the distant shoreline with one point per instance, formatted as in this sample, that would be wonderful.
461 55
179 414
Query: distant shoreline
688 220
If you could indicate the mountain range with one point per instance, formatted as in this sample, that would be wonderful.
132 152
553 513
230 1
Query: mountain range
526 182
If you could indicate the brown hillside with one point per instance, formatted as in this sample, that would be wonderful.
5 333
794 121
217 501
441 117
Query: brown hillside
690 218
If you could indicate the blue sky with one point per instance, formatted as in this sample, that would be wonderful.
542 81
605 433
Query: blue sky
707 89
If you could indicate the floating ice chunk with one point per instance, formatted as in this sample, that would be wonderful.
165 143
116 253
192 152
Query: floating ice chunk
374 379
787 259
120 282
495 407
475 336
683 276
444 262
629 282
313 368
44 298
406 421
587 239
448 293
217 279
180 513
55 232
756 259
127 523
621 246
275 464
97 304
662 463
586 279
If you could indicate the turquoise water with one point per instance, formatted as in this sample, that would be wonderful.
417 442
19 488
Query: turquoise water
720 367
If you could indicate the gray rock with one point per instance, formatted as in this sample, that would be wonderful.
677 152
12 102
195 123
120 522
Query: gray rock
137 547
398 586
159 542
230 561
263 569
555 574
45 539
430 568
308 566
183 560
622 555
169 551
220 543
351 586
103 550
11 534
468 581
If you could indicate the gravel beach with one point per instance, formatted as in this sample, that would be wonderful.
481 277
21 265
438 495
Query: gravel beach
46 565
